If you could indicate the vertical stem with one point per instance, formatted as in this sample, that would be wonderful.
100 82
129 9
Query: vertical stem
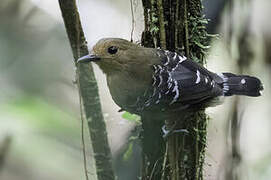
88 90
177 23
4 149
83 137
162 24
177 142
164 162
186 30
172 156
197 150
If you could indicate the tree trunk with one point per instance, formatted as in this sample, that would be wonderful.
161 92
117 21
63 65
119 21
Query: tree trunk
176 25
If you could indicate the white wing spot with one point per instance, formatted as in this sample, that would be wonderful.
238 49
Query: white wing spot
167 61
213 83
169 85
224 78
169 77
182 58
198 77
154 80
155 69
161 80
154 91
175 56
176 90
159 55
158 100
159 66
206 80
243 81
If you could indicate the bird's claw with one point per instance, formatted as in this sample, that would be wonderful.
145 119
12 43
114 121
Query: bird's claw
171 131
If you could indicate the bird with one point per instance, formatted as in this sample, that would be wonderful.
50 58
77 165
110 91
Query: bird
144 79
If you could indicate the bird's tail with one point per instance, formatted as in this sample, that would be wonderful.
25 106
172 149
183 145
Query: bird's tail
241 85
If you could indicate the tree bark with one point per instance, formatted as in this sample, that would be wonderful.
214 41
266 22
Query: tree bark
88 92
176 25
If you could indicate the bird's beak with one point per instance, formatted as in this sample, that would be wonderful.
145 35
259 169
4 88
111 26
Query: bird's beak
88 58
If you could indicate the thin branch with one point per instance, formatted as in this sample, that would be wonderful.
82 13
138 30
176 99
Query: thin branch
88 91
4 149
83 138
197 151
153 169
164 162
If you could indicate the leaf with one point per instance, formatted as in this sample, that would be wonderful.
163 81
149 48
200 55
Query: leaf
154 19
132 117
201 45
154 29
203 21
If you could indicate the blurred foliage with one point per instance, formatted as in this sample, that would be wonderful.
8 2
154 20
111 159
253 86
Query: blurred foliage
37 97
41 115
44 137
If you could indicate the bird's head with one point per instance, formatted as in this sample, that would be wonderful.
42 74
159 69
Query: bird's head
115 55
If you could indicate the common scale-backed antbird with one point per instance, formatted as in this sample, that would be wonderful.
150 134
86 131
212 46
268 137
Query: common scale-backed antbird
146 79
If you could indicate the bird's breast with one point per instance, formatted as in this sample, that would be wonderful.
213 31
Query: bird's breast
125 90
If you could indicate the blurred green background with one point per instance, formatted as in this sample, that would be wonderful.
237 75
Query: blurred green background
39 106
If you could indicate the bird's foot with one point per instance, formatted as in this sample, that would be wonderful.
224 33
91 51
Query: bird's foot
171 131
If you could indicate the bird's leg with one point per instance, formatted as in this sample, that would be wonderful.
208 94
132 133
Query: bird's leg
172 130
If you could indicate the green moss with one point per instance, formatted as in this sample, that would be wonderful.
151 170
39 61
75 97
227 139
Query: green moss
185 31
198 38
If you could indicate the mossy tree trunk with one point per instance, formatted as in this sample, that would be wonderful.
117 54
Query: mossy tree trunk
176 25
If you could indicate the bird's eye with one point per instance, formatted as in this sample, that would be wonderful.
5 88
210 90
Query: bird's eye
112 50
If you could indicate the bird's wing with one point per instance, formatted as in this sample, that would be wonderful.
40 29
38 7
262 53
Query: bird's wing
178 80
195 83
